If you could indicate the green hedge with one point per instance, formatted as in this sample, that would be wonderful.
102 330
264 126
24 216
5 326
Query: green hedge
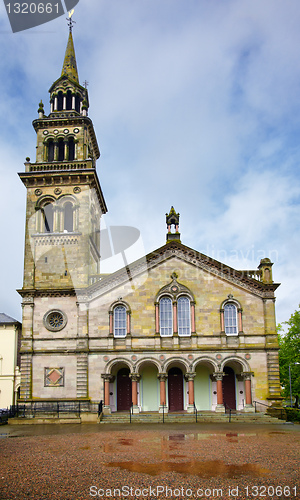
293 415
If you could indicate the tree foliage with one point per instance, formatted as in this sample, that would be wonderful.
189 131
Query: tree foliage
289 354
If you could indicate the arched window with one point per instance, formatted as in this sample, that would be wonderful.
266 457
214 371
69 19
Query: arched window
184 316
59 101
51 150
47 212
69 100
61 150
230 319
77 103
68 217
71 147
166 317
120 326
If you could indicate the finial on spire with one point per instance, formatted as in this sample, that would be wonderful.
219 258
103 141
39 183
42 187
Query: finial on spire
172 219
70 20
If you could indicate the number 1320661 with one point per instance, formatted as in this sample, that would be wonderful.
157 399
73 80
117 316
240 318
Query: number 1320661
271 491
32 8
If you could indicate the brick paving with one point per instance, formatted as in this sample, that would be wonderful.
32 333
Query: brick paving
82 462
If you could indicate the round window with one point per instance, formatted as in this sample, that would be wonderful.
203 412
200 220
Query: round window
55 320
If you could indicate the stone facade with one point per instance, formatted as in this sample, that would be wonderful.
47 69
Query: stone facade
10 379
170 331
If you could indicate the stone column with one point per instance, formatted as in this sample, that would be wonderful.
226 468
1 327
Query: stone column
248 393
175 327
66 148
106 407
190 378
220 406
156 317
134 394
240 322
193 317
162 379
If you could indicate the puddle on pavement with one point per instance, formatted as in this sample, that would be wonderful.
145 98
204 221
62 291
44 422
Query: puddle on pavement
125 441
211 468
177 437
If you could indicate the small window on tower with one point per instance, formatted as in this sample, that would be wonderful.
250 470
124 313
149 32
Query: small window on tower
51 151
71 146
47 212
69 100
68 217
61 150
59 101
77 104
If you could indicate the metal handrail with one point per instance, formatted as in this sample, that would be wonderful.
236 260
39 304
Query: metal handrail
196 412
226 406
130 412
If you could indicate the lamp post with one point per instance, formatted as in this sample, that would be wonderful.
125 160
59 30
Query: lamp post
290 379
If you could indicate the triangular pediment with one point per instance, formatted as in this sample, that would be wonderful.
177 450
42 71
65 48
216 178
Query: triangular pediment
176 250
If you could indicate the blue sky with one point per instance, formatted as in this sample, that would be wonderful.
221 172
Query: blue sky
195 104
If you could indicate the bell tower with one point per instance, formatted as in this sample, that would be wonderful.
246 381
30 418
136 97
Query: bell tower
64 196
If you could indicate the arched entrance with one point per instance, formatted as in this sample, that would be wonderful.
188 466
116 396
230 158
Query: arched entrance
175 389
149 387
124 395
228 386
202 387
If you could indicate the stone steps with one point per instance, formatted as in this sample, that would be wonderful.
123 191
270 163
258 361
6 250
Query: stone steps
151 418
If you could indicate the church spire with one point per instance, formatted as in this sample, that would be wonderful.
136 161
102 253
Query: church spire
70 67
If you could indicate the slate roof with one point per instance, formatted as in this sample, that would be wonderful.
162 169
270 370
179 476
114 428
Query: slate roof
5 319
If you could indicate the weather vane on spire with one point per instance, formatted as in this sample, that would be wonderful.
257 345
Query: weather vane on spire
70 20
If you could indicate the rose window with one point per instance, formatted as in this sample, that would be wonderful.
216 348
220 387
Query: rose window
55 320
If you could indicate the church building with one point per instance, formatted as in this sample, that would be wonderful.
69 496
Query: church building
173 331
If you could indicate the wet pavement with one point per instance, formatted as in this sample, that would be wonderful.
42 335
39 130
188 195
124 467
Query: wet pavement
224 461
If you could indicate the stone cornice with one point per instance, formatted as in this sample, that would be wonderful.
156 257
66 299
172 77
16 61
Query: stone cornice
65 177
45 292
180 251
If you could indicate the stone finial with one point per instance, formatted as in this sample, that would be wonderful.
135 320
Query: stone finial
172 219
41 109
265 268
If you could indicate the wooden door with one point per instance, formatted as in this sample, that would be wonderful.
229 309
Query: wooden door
228 385
175 389
124 395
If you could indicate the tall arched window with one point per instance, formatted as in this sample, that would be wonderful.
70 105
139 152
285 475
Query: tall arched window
120 321
47 212
61 150
184 316
59 101
69 100
71 148
166 317
230 319
68 217
77 103
51 150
